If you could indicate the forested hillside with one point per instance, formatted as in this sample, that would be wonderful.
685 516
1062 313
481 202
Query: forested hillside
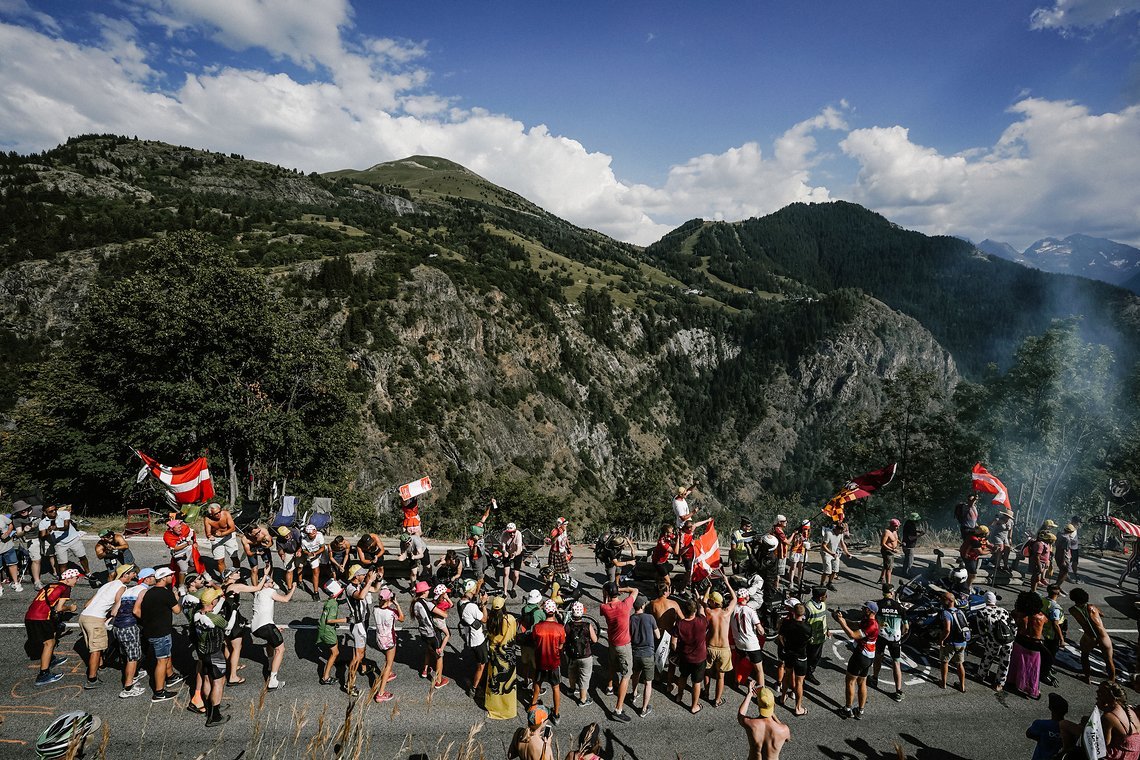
468 335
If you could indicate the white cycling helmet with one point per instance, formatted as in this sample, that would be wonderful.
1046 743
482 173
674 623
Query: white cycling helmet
959 574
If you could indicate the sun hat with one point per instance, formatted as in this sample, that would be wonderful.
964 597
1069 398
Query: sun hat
533 596
681 490
356 570
210 595
766 701
771 541
173 523
386 594
1070 528
549 607
422 587
122 570
163 572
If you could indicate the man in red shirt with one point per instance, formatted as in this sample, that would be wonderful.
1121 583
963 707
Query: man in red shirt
549 637
663 551
865 638
616 611
40 623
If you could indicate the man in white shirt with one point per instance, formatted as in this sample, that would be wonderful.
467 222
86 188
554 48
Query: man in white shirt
263 627
681 505
472 619
8 556
56 529
93 620
314 554
746 632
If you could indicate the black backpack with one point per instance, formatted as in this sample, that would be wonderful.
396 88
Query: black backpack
963 633
578 644
1002 631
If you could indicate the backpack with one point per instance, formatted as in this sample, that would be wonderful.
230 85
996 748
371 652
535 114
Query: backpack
603 547
465 629
960 623
1002 631
578 644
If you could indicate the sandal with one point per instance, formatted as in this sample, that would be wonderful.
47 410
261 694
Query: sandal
197 709
235 682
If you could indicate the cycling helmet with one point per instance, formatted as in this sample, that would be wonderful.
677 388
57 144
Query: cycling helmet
959 574
771 541
68 730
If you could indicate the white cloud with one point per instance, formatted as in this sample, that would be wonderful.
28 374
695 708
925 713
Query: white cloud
1057 169
1066 15
19 9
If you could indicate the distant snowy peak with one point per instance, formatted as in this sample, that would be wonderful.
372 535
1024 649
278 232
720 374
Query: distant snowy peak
1082 255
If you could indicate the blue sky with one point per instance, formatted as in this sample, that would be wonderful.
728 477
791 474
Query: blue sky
1010 120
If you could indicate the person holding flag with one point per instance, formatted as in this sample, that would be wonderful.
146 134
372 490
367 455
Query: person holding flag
183 544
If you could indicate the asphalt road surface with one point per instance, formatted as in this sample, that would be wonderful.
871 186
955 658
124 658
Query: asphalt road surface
930 724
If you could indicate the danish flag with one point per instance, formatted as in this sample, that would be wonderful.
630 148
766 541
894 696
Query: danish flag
186 484
706 550
984 481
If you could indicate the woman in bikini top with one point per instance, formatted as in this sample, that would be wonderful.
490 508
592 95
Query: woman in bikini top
1120 724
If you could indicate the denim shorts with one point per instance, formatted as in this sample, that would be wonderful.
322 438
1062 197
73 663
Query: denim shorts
9 558
161 646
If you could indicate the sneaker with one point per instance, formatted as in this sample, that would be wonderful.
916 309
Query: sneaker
586 702
56 661
441 683
609 691
17 587
873 681
91 683
162 696
353 693
846 712
423 674
174 681
858 713
39 585
621 717
134 691
43 679
273 684
1049 681
646 712
813 680
217 719
554 719
139 676
327 681
385 697
897 696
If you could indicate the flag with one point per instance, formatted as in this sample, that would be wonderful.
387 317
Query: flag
706 553
858 488
984 481
187 484
1131 529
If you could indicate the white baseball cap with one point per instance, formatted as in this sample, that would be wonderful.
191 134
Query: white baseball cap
781 518
163 572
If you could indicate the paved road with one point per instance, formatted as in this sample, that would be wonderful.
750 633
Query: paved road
930 724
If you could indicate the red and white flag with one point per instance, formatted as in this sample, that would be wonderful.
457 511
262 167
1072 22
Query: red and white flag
706 553
186 484
984 481
415 488
1131 529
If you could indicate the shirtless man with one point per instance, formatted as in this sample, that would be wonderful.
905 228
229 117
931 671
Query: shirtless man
720 656
888 548
536 740
766 734
667 612
257 545
222 535
1092 633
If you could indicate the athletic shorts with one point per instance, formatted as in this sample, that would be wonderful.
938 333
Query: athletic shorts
39 632
859 665
694 671
288 562
754 656
130 643
258 557
481 653
94 633
720 659
73 547
782 565
553 677
580 673
226 548
893 648
621 659
359 634
270 635
954 654
516 563
798 665
161 646
479 566
971 565
647 666
214 665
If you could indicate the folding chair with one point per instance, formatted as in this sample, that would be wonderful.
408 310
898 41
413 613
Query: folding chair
249 514
287 516
138 523
320 516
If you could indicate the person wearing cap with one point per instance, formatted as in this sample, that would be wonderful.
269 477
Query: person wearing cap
61 536
834 542
996 630
955 637
209 644
314 554
766 734
816 608
41 627
581 635
866 638
499 698
779 530
26 518
1001 540
125 625
1040 557
718 613
912 530
328 647
892 630
738 552
156 610
966 513
358 595
388 612
644 636
535 741
681 509
548 637
257 546
1056 733
531 614
511 545
973 548
1063 554
93 620
114 550
560 553
426 612
747 633
691 647
1093 633
617 610
888 548
798 547
472 630
477 549
222 533
414 549
288 542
